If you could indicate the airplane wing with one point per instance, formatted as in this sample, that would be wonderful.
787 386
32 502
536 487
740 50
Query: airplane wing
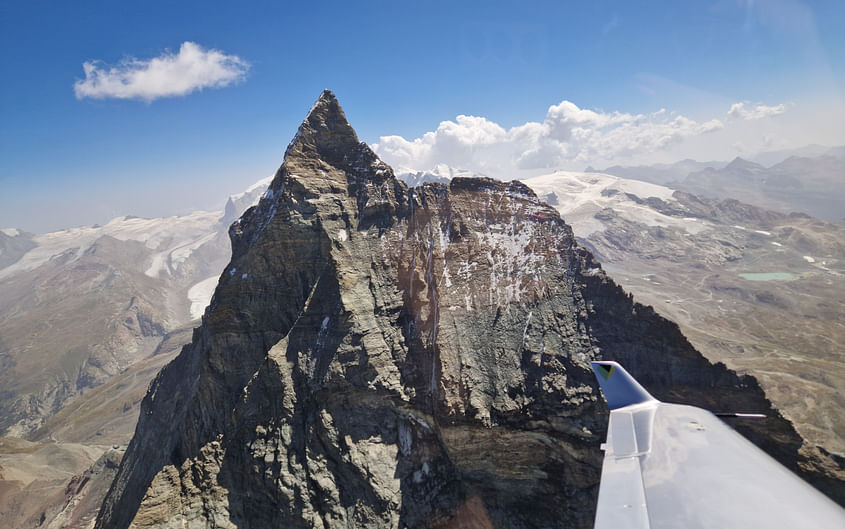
676 466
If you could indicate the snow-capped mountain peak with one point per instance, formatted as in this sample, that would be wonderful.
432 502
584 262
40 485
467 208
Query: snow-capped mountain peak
238 203
440 173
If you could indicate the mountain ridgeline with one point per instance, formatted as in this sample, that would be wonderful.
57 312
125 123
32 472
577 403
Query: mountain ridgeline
382 356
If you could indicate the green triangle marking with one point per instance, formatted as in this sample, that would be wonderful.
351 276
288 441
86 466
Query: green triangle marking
605 372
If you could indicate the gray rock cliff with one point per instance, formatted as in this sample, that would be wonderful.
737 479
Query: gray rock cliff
379 356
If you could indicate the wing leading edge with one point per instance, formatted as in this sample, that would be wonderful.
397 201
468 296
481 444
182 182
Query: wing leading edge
671 465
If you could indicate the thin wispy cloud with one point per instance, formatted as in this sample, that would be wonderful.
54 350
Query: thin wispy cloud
741 111
168 75
568 135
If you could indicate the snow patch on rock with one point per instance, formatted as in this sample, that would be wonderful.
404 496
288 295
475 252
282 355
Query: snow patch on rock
200 296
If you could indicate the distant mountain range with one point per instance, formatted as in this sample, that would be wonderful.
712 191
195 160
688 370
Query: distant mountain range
770 158
441 173
815 186
661 173
810 180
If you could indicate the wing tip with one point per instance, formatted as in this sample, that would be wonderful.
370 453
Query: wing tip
619 387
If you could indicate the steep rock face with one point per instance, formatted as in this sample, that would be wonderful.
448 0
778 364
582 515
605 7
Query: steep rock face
378 356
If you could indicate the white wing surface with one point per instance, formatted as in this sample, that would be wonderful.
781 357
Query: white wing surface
675 466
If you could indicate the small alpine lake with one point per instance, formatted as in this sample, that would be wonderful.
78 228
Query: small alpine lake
768 276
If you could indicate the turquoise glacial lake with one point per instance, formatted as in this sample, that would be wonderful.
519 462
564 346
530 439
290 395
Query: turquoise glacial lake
768 276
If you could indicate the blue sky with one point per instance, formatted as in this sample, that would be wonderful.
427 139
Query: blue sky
401 70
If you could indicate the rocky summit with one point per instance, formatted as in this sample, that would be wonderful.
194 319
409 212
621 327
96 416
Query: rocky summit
382 356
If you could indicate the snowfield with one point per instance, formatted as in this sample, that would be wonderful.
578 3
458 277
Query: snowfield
171 242
200 296
579 196
164 235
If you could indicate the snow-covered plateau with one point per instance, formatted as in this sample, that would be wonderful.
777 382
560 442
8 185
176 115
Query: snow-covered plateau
578 196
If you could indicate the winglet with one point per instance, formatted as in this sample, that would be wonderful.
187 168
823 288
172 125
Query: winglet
619 387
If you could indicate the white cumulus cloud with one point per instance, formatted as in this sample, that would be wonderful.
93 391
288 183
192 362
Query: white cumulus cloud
741 111
168 75
568 135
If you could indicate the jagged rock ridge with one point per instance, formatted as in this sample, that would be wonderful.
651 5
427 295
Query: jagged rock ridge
379 356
